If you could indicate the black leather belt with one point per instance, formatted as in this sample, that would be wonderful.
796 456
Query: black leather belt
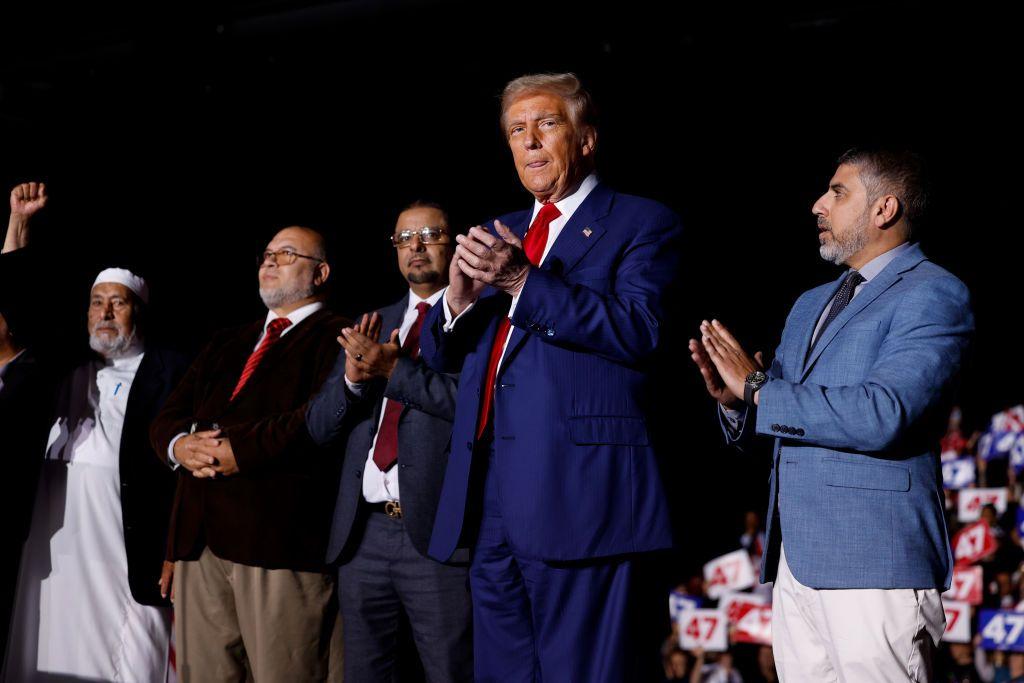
391 508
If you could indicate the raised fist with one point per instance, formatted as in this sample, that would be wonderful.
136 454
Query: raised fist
28 198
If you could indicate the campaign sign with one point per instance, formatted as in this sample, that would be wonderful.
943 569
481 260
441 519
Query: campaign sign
1017 454
679 603
730 572
973 543
736 604
958 622
1001 629
972 500
754 625
965 586
703 628
958 474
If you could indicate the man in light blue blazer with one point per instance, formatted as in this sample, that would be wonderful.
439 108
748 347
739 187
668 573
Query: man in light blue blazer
856 399
551 318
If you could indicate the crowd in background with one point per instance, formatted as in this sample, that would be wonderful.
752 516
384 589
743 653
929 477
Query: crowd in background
992 460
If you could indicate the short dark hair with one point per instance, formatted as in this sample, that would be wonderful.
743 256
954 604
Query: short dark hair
900 172
427 204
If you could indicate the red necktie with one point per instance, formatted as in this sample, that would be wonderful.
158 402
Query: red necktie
533 245
385 451
274 330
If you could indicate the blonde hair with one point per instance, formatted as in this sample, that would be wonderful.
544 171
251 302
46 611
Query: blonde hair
567 86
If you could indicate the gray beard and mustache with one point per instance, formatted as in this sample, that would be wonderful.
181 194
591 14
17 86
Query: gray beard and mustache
115 347
286 294
842 247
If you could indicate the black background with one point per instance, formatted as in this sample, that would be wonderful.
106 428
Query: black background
176 139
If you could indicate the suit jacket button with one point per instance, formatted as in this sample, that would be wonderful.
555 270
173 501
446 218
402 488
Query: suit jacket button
799 432
469 445
775 428
359 473
550 333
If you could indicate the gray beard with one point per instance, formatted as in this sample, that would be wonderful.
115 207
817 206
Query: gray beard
839 250
282 296
117 347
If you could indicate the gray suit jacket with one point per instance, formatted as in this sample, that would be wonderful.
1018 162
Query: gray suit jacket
336 417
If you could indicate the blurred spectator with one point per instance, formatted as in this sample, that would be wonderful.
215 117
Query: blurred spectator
752 539
718 670
677 665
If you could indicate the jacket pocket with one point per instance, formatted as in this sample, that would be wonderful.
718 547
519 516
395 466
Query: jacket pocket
866 476
608 429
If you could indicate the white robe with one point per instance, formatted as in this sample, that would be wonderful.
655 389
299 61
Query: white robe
74 616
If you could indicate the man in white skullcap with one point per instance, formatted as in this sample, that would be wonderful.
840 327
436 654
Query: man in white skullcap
91 601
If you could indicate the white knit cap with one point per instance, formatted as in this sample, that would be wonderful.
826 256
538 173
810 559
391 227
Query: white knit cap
127 278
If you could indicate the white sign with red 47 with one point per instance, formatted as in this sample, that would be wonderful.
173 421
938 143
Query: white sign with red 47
704 629
966 585
730 572
958 622
972 500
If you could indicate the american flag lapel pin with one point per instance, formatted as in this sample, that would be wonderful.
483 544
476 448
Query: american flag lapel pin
587 232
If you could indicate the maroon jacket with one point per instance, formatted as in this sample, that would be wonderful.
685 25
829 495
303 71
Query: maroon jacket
276 511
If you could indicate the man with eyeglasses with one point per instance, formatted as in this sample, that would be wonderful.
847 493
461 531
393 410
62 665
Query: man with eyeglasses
394 416
255 494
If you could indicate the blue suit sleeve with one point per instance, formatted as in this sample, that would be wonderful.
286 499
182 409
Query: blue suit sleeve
328 412
624 325
915 368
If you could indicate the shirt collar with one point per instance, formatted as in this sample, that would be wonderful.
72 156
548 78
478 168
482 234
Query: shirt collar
414 299
296 316
567 205
872 268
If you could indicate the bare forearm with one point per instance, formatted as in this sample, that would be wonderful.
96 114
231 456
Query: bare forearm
17 234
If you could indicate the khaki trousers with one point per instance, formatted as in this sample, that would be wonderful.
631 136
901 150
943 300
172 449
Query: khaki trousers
238 623
853 635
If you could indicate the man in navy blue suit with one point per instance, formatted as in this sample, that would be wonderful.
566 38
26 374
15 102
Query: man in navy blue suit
856 399
551 316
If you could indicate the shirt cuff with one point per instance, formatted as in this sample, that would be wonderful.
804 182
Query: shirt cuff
733 417
171 460
450 320
355 387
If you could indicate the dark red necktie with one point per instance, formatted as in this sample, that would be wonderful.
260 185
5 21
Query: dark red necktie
274 330
385 451
533 245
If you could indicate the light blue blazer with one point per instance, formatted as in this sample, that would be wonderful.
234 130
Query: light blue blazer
856 488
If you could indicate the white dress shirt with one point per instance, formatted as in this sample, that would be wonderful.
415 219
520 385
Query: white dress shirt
296 316
379 487
567 207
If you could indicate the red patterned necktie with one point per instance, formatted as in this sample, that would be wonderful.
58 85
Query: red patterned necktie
533 245
385 451
274 330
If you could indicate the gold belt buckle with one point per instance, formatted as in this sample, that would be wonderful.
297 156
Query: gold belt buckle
393 509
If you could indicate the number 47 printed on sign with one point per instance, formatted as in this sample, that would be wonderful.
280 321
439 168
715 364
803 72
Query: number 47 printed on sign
704 629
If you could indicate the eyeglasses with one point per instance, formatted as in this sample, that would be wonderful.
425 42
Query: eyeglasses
427 235
284 257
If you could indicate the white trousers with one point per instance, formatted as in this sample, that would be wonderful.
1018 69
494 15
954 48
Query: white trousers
854 635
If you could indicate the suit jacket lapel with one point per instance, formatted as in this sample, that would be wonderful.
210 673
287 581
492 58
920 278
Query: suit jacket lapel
889 276
577 237
391 318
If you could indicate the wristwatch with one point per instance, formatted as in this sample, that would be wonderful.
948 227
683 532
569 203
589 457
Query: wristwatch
752 383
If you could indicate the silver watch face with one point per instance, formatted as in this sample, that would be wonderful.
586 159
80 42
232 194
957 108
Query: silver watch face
756 378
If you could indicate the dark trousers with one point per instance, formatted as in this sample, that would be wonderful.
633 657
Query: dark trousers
564 622
385 576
